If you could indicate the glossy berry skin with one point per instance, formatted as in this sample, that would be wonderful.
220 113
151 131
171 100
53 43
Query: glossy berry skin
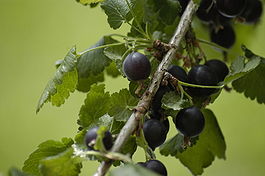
253 11
178 72
224 37
219 67
91 137
230 8
156 166
155 133
190 121
206 11
201 75
136 67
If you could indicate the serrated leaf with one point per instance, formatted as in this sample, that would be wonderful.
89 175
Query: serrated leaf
171 100
118 11
172 146
64 81
129 147
210 144
112 70
45 149
63 164
99 145
87 2
252 84
132 170
240 68
122 104
96 105
16 172
94 62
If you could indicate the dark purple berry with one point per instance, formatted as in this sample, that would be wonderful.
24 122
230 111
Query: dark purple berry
219 67
190 121
206 11
155 133
136 67
201 75
225 36
253 11
178 72
230 8
91 136
157 167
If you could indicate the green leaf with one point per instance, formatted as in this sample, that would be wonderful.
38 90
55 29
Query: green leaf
84 84
112 70
122 104
200 155
94 62
118 11
129 147
16 172
171 100
87 2
45 149
240 68
132 170
96 105
63 164
252 84
116 54
99 145
65 80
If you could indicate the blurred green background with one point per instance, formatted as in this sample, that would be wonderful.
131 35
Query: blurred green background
36 33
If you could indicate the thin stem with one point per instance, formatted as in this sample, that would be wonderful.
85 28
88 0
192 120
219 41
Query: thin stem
199 86
143 105
111 155
212 44
100 47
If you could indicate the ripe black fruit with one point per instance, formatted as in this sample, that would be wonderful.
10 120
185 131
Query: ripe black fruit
156 166
155 133
91 136
156 102
206 11
136 66
253 11
230 8
201 75
224 37
219 67
178 72
190 121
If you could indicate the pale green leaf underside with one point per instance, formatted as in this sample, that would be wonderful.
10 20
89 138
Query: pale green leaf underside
64 81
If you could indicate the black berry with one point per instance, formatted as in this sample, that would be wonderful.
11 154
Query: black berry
156 166
190 121
156 102
230 8
219 67
206 11
136 66
201 75
225 36
178 72
253 11
155 133
91 136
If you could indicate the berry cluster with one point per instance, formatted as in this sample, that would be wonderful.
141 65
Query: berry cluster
155 166
219 14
